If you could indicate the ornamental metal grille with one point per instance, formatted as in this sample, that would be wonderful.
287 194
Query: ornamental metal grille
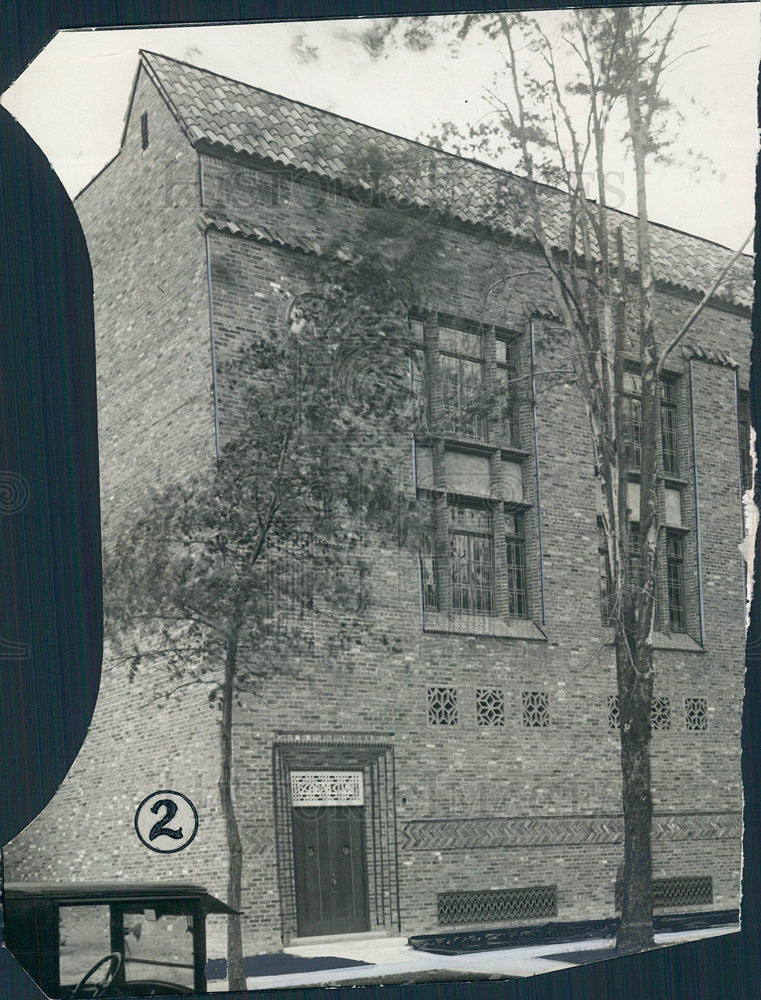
536 709
493 905
671 893
442 706
660 713
696 713
327 788
614 715
490 707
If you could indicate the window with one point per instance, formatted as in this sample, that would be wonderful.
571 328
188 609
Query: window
675 571
668 427
516 565
606 584
743 441
633 417
506 373
428 574
472 559
442 706
461 370
144 129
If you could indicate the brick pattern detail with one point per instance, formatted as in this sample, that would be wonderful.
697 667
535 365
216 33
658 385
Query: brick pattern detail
660 713
536 709
490 707
614 712
696 713
442 706
536 831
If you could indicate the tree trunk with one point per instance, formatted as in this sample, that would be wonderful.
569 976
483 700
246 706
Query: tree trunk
636 930
634 642
236 979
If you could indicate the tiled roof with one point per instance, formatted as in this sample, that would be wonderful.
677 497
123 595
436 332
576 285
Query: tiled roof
243 119
267 235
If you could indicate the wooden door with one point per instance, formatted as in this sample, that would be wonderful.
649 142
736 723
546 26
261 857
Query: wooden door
331 874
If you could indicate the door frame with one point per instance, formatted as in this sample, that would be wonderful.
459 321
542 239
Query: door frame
373 754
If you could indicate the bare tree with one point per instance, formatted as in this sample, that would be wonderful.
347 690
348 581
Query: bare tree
558 103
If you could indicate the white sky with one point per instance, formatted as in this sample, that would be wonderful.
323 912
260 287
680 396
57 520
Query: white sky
73 97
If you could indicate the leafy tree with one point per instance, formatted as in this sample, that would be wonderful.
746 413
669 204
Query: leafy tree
234 572
558 104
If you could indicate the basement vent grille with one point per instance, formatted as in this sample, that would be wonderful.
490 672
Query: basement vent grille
493 905
671 893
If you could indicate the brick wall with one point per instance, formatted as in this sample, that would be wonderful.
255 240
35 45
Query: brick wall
157 421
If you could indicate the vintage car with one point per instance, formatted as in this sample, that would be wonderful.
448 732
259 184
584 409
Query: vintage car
131 939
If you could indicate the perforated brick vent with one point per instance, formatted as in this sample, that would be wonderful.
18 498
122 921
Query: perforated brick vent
660 713
614 716
442 706
674 893
492 905
536 709
490 707
696 713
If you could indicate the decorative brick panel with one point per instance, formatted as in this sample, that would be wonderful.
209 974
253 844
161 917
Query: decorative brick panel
491 905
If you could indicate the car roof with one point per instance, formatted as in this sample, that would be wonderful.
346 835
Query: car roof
114 892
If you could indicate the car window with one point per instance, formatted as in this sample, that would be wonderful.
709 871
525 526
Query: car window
84 935
158 946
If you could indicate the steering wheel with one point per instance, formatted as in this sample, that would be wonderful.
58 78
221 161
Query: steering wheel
115 960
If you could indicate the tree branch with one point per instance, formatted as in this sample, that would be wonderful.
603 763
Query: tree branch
703 303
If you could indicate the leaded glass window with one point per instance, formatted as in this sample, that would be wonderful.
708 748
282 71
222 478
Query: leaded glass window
472 559
669 427
507 371
675 570
516 566
428 574
461 371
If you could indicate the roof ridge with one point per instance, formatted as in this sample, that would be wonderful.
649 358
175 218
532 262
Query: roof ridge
143 53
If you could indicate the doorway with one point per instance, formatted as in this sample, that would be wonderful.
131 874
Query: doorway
330 869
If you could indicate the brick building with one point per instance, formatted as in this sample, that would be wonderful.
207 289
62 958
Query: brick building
476 768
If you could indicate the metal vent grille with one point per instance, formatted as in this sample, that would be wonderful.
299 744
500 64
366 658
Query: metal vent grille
669 893
491 905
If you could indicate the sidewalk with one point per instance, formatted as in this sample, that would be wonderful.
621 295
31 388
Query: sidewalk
393 959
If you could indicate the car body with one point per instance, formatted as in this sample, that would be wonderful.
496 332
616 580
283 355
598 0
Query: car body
110 939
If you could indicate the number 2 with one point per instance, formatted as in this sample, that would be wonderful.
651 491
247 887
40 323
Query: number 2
160 829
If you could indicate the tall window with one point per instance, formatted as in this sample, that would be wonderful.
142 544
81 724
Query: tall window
607 596
461 367
633 416
516 565
669 413
668 427
743 441
675 571
428 574
472 559
506 371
